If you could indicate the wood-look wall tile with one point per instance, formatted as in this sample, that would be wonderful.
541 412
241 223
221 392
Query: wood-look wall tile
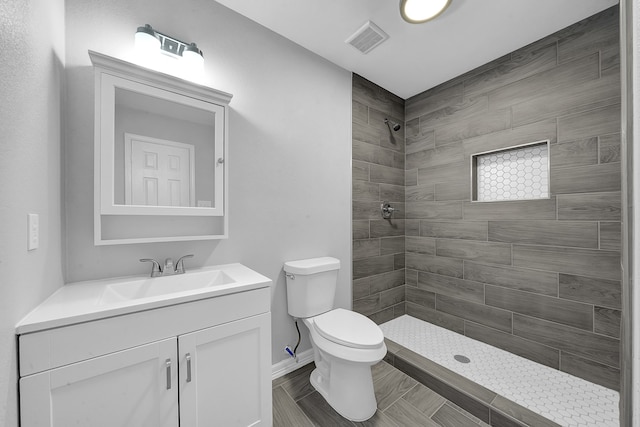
412 227
392 193
371 266
596 122
369 93
382 282
420 297
512 210
476 230
365 191
586 179
434 264
610 236
579 234
382 316
593 263
607 321
574 153
360 229
569 100
386 175
360 171
545 307
460 112
451 153
366 152
603 292
421 142
360 288
492 253
421 245
590 207
399 261
359 112
610 148
538 131
411 177
538 85
529 349
483 123
582 343
524 64
411 277
444 320
391 245
366 248
591 371
392 296
483 314
451 286
458 173
420 193
541 282
452 191
385 227
361 210
433 100
434 210
592 34
364 132
367 305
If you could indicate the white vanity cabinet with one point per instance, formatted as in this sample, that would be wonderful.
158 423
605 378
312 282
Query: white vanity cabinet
199 363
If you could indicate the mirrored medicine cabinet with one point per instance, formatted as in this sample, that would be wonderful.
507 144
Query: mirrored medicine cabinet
161 148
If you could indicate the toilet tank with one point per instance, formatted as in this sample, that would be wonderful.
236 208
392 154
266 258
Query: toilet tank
311 285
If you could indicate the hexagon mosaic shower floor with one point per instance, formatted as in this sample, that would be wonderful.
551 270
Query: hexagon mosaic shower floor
558 396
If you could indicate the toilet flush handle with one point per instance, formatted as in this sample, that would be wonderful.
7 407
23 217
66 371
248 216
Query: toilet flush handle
290 276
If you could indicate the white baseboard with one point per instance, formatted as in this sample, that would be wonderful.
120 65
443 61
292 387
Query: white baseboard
289 365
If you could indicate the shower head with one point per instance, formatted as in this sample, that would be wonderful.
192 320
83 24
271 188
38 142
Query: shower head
392 125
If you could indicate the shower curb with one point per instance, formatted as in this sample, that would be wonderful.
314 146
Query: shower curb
479 401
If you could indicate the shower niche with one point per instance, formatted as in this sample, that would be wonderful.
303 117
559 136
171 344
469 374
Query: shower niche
161 148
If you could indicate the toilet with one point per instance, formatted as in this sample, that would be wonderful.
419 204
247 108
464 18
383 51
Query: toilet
345 343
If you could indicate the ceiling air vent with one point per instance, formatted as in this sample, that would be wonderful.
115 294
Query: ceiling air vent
367 37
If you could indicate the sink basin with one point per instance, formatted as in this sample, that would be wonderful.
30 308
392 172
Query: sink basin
158 286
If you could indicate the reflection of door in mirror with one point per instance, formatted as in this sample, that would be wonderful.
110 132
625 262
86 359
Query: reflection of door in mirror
158 172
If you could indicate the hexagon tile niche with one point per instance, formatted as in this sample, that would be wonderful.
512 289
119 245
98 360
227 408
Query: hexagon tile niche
520 173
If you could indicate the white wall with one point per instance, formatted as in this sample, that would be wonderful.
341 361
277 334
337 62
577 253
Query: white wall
290 145
31 76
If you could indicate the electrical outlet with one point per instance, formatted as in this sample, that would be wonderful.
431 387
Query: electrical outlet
33 231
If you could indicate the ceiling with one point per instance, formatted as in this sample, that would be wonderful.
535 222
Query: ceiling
416 57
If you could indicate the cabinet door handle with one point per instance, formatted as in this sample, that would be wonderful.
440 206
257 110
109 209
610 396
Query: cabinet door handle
188 357
168 365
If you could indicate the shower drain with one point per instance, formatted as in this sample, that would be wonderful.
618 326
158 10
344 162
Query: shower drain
462 359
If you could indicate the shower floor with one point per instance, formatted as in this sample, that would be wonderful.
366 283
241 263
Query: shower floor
558 396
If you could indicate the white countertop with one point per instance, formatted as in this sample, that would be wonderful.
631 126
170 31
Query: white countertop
83 301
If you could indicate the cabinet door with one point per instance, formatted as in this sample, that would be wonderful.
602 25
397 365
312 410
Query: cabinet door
225 374
135 387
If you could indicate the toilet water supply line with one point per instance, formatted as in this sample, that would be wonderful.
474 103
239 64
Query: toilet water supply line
288 350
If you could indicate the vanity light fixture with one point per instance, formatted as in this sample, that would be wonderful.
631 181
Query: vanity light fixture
149 41
419 11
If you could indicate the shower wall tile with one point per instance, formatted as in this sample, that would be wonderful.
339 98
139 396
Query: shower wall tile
378 175
552 265
610 148
553 233
582 343
603 292
541 282
554 309
421 297
590 207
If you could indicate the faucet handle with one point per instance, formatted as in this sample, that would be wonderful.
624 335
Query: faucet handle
156 270
180 263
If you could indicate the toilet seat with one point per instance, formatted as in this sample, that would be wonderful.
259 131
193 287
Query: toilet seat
348 328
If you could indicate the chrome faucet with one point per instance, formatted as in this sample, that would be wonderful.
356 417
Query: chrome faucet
168 269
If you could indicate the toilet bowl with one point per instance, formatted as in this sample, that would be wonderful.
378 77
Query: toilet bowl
345 344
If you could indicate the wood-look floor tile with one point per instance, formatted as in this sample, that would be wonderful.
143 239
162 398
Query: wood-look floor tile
298 386
392 387
379 419
406 415
321 413
285 411
447 416
380 370
424 399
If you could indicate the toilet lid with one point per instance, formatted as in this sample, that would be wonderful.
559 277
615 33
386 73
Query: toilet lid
348 328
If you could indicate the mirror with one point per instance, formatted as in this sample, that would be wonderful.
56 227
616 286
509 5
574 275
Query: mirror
160 145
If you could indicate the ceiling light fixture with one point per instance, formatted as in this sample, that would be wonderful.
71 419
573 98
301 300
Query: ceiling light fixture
419 11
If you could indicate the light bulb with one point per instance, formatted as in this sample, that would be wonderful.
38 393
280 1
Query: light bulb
418 11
